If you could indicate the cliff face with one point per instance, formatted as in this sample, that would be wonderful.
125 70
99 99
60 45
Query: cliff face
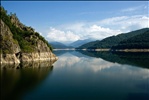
8 44
9 47
19 43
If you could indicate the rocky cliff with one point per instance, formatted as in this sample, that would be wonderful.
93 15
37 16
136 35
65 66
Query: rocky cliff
19 43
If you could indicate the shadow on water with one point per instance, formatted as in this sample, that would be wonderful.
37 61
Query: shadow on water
18 79
133 58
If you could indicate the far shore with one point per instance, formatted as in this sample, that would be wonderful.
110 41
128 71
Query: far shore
116 50
64 49
131 50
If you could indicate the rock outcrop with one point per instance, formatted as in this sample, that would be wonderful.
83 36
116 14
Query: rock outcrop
9 47
19 43
7 43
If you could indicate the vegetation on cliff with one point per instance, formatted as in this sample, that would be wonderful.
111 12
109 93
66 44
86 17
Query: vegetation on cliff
26 37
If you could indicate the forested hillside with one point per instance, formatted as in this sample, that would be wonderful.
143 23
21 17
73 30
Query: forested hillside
112 40
140 41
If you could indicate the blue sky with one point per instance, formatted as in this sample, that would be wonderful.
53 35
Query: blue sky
70 21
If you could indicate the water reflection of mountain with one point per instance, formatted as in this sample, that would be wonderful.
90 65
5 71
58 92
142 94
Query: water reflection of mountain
61 52
135 59
16 80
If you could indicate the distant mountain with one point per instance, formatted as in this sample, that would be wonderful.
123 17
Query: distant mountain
80 42
58 45
87 45
112 40
140 41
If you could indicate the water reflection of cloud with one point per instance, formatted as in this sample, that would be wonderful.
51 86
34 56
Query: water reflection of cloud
64 61
95 64
140 73
90 76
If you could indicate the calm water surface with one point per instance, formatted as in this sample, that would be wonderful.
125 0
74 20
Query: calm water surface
79 76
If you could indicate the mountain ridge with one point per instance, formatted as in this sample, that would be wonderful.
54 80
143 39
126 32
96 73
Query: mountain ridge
58 45
111 41
140 41
80 42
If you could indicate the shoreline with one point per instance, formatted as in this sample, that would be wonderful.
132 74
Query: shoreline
107 49
27 57
131 50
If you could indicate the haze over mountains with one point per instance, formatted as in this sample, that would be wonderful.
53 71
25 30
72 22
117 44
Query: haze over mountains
59 45
81 42
138 39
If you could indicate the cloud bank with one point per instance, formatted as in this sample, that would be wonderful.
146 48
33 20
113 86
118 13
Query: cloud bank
98 29
59 35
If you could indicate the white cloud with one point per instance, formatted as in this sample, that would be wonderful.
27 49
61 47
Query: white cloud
113 20
89 30
131 9
126 23
99 29
58 35
40 33
77 27
98 32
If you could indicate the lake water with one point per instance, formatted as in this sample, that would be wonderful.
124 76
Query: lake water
79 75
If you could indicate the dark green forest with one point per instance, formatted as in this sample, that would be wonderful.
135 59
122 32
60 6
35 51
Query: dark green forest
113 41
140 41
